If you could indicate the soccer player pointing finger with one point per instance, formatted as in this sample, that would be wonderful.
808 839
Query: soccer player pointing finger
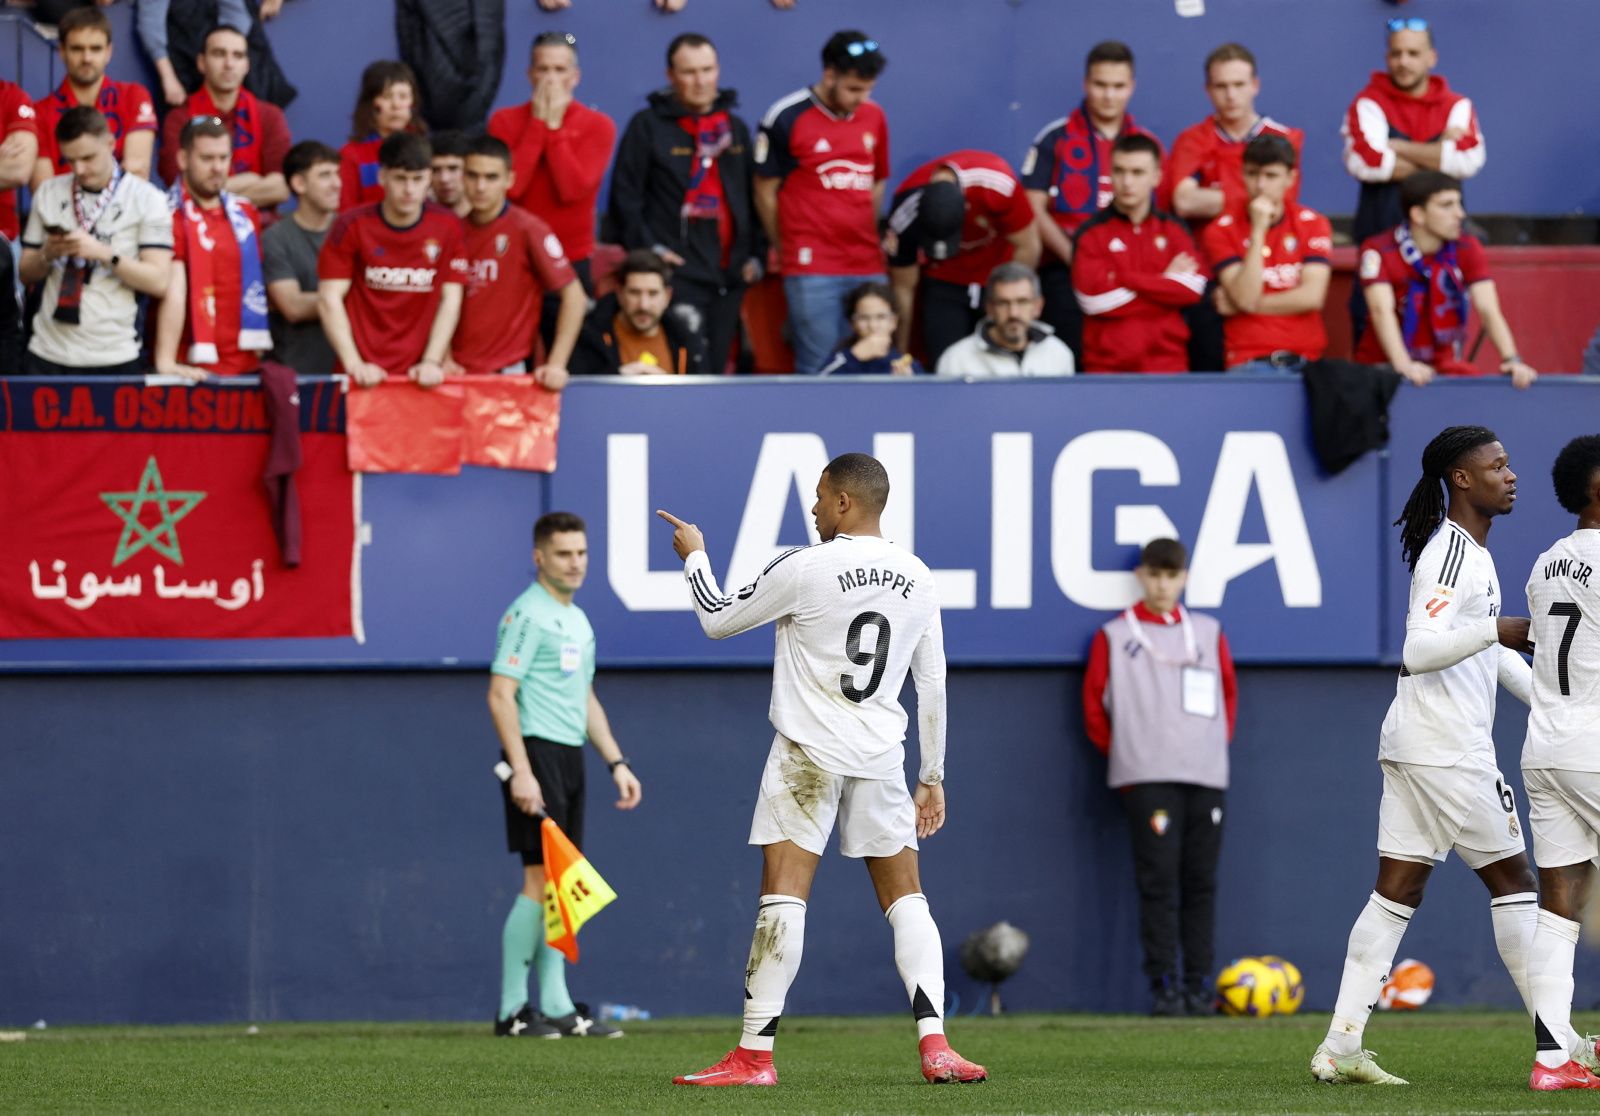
854 613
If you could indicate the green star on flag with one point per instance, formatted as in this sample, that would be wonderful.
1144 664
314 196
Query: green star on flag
162 537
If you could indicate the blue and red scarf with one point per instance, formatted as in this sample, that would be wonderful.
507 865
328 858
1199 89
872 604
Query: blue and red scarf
254 335
704 199
1437 294
1081 152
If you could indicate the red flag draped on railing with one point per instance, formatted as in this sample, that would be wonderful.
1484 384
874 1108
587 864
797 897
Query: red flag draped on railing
505 421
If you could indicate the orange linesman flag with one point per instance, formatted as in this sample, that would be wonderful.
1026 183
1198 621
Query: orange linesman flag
573 890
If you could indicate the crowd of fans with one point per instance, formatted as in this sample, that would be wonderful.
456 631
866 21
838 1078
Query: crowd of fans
406 254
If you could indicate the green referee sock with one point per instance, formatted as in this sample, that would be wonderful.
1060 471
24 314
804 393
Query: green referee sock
517 944
551 965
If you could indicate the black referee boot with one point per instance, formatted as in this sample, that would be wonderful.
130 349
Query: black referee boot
525 1024
580 1024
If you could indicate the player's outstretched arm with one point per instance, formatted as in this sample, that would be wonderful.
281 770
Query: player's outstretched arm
771 595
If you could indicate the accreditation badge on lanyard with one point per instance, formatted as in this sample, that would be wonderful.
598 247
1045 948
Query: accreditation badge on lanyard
1199 683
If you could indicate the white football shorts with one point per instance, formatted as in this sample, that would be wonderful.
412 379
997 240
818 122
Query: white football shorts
1427 811
1564 814
799 801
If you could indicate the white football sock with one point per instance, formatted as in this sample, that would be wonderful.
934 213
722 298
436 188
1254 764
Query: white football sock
1374 940
919 956
1514 918
774 961
1550 987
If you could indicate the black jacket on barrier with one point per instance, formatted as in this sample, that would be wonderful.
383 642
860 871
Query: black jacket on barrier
651 175
596 353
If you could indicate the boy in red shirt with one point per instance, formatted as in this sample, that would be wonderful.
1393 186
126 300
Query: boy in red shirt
85 45
513 261
216 301
1420 280
391 272
1270 257
1134 269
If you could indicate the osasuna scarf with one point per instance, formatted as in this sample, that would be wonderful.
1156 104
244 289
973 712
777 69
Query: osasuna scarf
704 199
246 126
69 298
1437 293
254 336
1083 158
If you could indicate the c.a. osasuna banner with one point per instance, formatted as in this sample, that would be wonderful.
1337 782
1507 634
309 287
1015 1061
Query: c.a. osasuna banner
141 511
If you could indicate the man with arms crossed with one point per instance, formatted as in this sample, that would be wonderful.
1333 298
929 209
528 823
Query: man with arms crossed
541 696
1441 786
1561 763
854 612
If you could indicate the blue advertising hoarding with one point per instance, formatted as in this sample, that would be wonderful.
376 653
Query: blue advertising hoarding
1028 499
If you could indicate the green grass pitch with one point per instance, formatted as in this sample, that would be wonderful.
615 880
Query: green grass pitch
1461 1062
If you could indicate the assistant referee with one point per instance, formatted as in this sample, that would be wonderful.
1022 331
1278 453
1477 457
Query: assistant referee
541 696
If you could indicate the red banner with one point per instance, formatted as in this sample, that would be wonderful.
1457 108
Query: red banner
509 422
151 534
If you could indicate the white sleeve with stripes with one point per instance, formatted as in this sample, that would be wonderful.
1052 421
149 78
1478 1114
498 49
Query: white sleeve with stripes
1436 637
769 597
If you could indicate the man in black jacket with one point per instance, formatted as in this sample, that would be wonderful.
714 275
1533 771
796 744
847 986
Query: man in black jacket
639 329
680 186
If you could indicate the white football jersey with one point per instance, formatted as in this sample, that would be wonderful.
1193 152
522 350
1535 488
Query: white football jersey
853 614
1440 716
1564 627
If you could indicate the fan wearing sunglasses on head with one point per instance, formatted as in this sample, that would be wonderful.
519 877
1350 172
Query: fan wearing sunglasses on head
821 160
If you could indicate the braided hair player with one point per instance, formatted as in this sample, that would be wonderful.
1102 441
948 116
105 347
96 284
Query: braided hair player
1442 789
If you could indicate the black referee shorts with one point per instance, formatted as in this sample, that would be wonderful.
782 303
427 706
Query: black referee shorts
559 770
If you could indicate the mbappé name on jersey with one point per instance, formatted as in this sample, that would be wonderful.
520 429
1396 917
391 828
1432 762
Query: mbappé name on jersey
854 615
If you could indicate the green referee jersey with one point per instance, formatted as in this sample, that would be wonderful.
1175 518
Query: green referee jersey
548 647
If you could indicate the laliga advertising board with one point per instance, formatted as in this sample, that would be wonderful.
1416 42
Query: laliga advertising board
1028 500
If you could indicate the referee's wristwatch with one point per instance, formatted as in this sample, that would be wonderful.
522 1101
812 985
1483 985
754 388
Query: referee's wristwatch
620 761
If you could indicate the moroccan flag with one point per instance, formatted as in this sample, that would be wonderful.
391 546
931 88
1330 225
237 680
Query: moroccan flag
135 510
573 890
